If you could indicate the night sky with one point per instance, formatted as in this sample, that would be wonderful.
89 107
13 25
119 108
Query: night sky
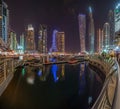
57 14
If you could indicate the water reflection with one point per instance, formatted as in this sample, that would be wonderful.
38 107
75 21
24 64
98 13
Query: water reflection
45 72
58 72
71 85
23 71
39 73
82 81
62 74
30 76
87 84
54 70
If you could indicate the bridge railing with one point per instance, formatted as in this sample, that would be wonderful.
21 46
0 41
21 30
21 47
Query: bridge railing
108 95
116 101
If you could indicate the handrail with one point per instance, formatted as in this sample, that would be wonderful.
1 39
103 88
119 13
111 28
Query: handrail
109 93
116 100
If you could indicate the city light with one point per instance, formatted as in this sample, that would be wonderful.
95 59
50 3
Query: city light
118 6
90 9
53 55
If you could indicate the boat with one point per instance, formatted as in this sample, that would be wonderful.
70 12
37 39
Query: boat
72 61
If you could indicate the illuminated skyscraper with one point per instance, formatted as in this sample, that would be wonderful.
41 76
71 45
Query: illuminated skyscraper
22 42
54 42
106 36
42 39
112 27
30 41
13 41
60 42
99 40
117 19
91 34
117 25
82 31
4 20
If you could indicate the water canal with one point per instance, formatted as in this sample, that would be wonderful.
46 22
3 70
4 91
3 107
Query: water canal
57 86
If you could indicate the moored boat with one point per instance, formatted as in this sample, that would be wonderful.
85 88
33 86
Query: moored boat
72 61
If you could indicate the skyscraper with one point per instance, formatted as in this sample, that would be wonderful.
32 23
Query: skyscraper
99 40
60 42
42 39
54 42
30 39
117 18
117 25
13 41
82 31
91 34
106 36
4 20
112 27
22 42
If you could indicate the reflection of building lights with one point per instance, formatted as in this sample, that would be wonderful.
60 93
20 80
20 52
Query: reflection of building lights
54 72
42 78
89 100
82 78
30 80
39 73
30 75
23 71
63 70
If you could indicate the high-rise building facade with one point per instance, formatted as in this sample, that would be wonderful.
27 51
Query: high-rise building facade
117 25
60 42
91 33
54 42
42 39
30 39
99 40
22 42
106 36
82 31
4 20
112 27
13 41
117 18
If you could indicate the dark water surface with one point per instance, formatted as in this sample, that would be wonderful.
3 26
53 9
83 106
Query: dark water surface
60 86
